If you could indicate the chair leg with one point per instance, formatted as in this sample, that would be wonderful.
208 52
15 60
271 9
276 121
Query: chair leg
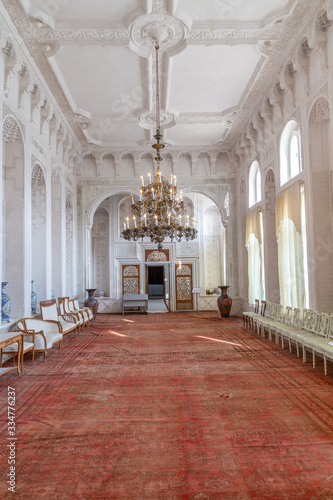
325 365
297 349
269 334
289 345
304 353
313 359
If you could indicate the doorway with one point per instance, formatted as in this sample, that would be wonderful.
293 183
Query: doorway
155 282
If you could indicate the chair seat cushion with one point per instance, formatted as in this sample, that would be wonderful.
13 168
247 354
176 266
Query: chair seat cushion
67 326
14 347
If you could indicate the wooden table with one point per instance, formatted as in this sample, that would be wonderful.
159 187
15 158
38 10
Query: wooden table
132 300
10 338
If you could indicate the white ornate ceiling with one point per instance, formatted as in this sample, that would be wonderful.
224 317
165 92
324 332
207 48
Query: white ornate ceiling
217 57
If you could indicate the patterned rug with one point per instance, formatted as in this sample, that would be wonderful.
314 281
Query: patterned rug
169 406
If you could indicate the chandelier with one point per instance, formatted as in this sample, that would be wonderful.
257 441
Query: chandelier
160 212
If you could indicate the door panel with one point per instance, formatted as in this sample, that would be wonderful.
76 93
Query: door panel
131 279
184 296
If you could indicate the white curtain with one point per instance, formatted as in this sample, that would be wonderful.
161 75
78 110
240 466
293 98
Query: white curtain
290 247
255 255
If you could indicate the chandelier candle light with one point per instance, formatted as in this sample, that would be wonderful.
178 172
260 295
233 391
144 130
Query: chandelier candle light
160 212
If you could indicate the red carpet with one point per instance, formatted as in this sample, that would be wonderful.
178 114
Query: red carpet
170 406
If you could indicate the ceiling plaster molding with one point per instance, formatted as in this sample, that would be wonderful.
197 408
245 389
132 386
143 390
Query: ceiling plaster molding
293 28
170 32
14 22
93 33
278 14
117 34
227 36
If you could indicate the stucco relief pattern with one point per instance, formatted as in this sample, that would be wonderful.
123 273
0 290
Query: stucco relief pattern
126 250
187 249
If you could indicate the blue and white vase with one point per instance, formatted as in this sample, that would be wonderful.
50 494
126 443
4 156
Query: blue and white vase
5 303
33 299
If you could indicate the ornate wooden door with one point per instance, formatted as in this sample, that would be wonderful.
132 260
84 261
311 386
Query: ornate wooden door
131 279
184 296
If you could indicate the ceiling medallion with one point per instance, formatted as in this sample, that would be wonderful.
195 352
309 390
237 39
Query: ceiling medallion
147 120
168 31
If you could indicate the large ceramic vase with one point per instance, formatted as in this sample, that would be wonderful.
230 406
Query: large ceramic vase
5 303
91 301
33 299
224 302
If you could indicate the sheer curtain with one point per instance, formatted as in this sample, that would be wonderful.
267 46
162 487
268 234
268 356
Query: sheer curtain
290 247
255 255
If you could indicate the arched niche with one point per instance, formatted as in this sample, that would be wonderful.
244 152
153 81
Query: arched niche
88 168
321 191
13 248
222 165
124 211
184 165
203 167
57 232
38 232
147 166
69 245
100 249
270 242
212 240
127 167
243 207
108 167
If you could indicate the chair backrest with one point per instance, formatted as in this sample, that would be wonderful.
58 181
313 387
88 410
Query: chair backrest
306 319
268 310
273 310
314 322
256 306
287 317
71 305
296 318
330 328
279 312
76 303
263 307
323 325
64 305
48 309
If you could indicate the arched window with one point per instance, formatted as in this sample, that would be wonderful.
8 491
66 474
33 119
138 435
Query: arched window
254 184
290 152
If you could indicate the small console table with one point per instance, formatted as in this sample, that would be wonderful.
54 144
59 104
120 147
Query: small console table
11 338
136 301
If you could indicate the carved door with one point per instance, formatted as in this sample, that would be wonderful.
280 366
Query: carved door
131 280
184 296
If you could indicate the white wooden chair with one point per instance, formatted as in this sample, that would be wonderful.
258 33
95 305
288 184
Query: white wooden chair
49 312
44 334
65 310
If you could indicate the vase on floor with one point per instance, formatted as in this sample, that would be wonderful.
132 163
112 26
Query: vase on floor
5 303
224 302
33 299
91 301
